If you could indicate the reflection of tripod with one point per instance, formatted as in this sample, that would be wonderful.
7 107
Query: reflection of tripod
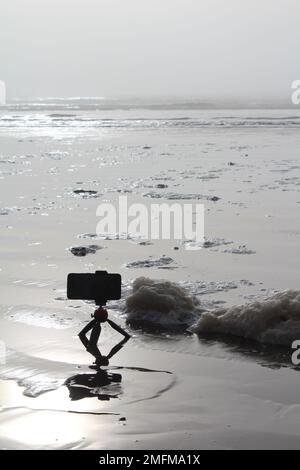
100 316
91 385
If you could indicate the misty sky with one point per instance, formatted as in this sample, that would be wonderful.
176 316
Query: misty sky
184 48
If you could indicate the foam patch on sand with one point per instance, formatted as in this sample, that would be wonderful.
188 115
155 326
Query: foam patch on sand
8 210
206 243
179 196
109 236
160 302
240 250
151 262
275 320
84 250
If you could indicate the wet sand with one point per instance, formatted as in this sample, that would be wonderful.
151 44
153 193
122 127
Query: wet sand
165 400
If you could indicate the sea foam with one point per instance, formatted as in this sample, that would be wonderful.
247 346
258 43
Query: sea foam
161 302
275 320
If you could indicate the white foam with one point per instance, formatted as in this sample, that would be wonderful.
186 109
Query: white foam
240 250
180 196
206 243
275 320
8 210
109 236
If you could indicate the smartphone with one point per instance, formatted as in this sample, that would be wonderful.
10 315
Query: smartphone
100 286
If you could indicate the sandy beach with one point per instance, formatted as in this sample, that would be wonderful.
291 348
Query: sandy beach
197 373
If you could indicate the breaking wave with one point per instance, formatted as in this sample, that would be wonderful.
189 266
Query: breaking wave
34 119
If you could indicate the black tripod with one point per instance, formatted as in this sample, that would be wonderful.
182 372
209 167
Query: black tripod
100 316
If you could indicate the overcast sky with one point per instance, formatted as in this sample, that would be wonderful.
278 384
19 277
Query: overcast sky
185 48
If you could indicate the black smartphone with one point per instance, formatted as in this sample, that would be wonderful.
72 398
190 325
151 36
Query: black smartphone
100 286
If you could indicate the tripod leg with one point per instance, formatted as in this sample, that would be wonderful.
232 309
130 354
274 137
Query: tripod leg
84 331
118 328
93 348
117 347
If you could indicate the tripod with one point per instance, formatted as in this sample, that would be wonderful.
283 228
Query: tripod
91 344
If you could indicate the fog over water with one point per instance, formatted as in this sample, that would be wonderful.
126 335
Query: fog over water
179 48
